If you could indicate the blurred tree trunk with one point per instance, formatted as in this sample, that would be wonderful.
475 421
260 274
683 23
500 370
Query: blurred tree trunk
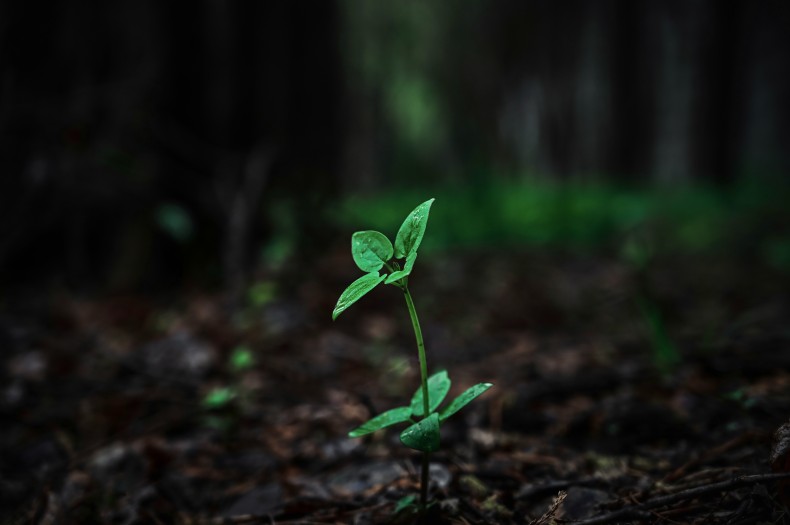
264 91
632 81
719 92
766 120
675 26
313 127
111 111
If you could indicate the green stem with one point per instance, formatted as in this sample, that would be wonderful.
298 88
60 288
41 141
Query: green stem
426 456
420 350
426 459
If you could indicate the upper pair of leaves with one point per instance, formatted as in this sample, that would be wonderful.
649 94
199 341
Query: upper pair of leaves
371 250
424 434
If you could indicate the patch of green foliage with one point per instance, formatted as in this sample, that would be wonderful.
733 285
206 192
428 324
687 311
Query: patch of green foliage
587 216
639 225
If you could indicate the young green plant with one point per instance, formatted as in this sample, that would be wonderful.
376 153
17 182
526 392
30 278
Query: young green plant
374 254
222 403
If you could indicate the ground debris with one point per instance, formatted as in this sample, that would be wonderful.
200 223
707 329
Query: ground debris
103 416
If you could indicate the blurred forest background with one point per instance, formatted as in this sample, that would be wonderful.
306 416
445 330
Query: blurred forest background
156 145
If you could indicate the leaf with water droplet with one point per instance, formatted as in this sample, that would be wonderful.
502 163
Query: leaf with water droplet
464 399
370 249
438 386
383 420
355 291
412 230
424 435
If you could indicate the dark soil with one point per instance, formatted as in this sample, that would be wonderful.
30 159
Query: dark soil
103 420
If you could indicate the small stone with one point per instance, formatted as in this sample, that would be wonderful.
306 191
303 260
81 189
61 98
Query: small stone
29 365
440 475
258 501
180 355
118 466
354 479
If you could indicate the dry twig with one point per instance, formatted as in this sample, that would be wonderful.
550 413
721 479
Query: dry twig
639 511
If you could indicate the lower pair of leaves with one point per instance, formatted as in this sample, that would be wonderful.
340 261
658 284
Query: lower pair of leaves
423 435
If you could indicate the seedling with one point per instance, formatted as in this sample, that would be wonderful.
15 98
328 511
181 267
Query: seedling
374 253
639 254
242 359
219 401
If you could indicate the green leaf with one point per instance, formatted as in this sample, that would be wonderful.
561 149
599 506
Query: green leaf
355 291
405 503
464 399
412 230
423 436
438 386
219 397
242 358
385 419
400 274
370 250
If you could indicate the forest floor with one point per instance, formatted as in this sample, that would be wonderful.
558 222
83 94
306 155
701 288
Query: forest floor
619 396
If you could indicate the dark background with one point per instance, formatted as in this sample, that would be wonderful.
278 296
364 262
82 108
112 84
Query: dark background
151 145
609 246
